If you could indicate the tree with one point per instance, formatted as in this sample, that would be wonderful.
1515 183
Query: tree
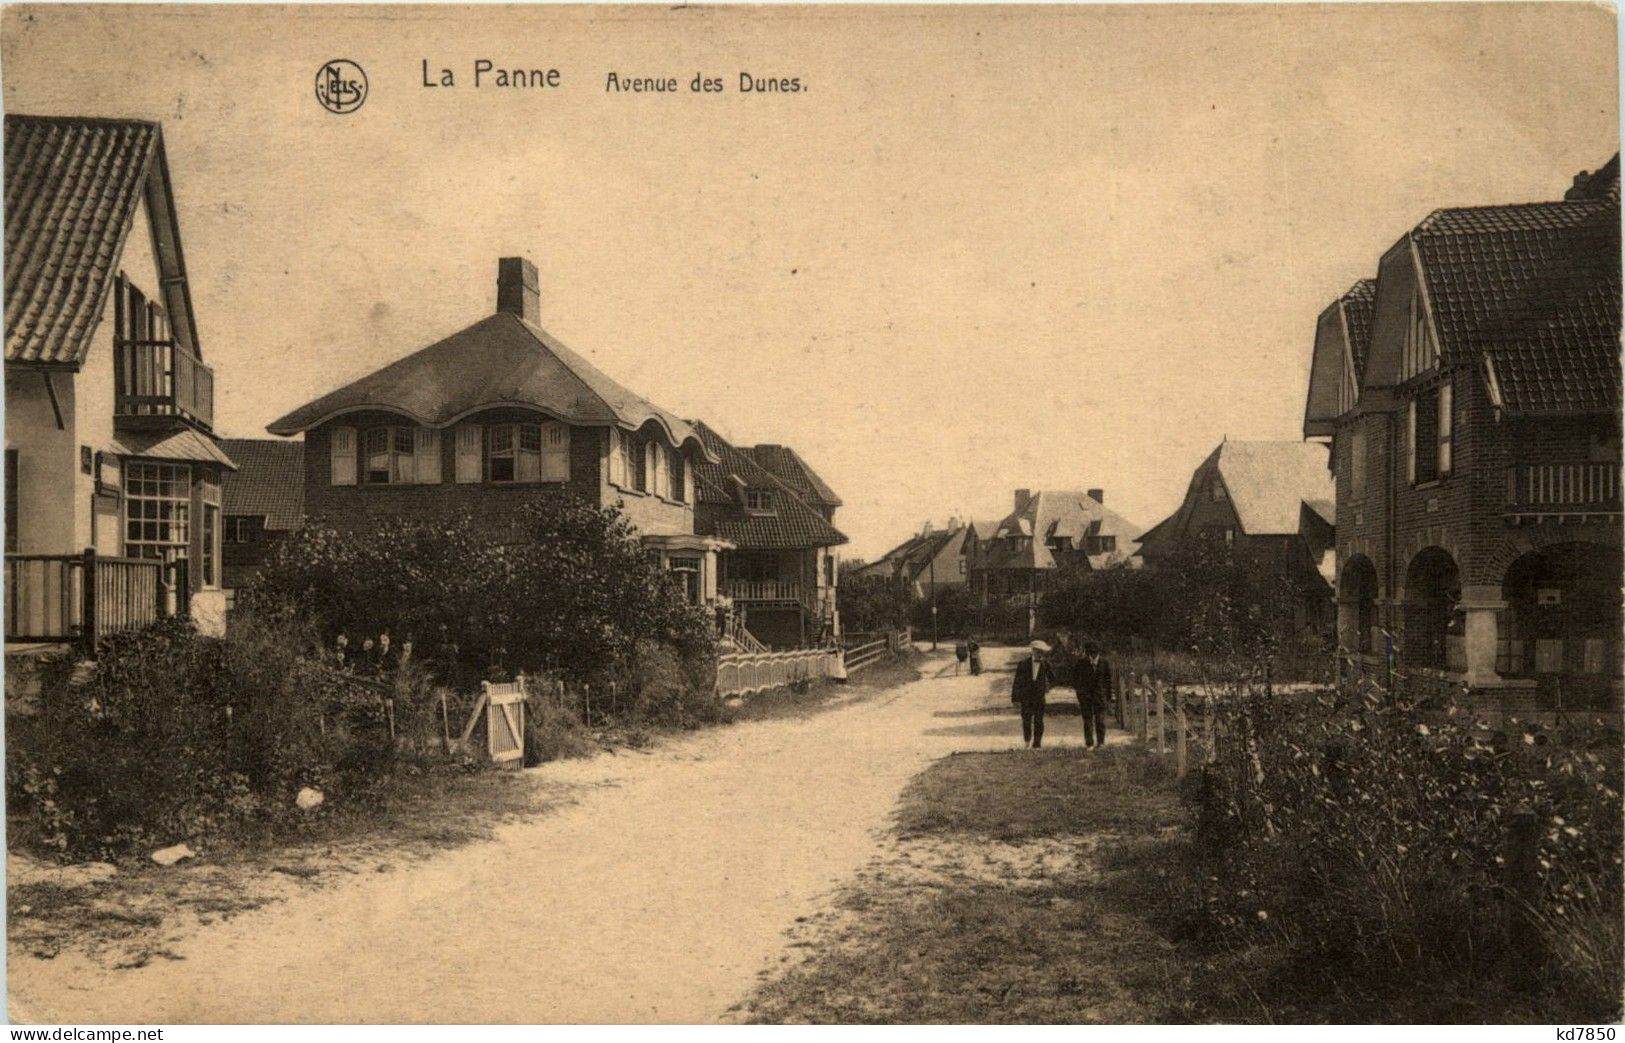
870 603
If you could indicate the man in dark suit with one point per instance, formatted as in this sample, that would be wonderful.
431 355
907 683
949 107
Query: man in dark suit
1092 680
1029 690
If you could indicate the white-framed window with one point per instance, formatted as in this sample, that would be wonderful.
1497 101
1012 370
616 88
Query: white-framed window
157 510
654 467
760 500
527 453
239 529
637 454
389 456
1430 425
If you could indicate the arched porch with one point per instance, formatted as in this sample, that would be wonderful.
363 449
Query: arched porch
1433 635
1357 590
1561 624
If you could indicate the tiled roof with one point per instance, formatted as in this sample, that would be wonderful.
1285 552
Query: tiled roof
1536 288
1359 304
183 443
72 190
794 524
1269 482
788 465
270 481
501 360
1049 514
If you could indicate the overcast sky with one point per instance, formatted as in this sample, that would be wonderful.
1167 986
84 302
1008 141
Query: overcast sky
986 248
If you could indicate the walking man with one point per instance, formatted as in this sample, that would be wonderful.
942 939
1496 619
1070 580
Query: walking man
1092 679
1029 690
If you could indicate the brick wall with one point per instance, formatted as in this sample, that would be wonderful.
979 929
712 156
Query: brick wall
1463 512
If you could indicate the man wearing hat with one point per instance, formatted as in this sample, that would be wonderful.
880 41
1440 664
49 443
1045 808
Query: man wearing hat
1029 690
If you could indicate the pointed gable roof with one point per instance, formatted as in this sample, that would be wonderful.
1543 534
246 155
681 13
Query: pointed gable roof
1532 291
501 360
1342 340
1269 482
73 188
790 468
792 525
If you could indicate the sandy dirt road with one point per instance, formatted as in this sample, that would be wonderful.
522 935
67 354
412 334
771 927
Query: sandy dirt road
660 895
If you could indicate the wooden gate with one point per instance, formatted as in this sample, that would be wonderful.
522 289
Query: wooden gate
503 708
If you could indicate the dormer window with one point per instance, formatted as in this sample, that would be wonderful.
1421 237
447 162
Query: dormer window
759 501
389 456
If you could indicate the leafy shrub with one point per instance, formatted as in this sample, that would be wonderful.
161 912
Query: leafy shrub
174 735
569 592
553 732
1369 838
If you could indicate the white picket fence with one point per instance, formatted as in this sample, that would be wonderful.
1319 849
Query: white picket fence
742 673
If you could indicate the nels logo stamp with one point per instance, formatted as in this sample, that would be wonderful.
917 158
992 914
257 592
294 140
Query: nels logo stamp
341 86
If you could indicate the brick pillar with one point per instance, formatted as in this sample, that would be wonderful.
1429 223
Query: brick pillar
1482 603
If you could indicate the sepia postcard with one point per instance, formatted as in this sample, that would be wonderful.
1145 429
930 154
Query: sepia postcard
934 515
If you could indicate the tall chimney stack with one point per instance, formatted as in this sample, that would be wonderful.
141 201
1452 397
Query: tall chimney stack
1098 495
1022 496
517 289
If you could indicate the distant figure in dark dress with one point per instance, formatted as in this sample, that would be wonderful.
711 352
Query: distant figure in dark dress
1029 690
974 650
1092 679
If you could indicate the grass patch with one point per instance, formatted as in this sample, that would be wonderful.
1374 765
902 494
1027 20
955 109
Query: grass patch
1012 892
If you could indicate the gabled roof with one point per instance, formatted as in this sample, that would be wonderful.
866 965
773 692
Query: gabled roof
1342 342
270 481
914 555
1269 486
73 188
1056 514
790 468
1269 482
501 360
1358 304
1532 291
793 524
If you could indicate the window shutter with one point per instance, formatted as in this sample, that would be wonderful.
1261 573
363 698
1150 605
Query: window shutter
1410 442
617 460
1446 407
555 452
468 453
341 455
426 456
688 483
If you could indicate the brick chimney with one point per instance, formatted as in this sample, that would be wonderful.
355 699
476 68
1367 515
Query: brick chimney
1097 495
1022 496
517 292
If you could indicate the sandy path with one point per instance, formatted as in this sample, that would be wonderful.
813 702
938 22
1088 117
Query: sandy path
658 897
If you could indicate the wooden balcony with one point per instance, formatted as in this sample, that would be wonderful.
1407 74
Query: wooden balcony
1562 489
763 590
155 379
82 598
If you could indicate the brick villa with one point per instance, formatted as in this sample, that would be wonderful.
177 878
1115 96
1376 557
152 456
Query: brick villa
1471 394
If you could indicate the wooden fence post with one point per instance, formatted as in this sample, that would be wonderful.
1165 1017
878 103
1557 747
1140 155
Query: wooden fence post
87 593
1162 727
586 699
1523 883
445 725
1145 709
1179 722
1117 691
1210 754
